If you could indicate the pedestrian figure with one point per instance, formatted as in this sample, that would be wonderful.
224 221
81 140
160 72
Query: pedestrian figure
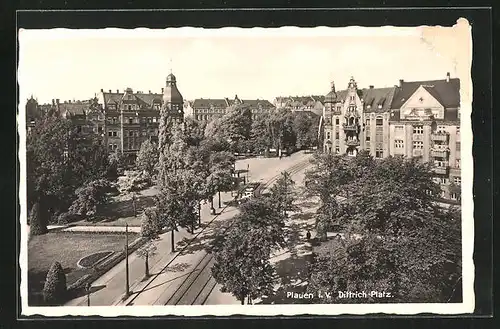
308 235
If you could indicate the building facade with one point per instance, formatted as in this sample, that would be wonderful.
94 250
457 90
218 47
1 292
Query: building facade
208 109
120 120
128 118
311 103
414 119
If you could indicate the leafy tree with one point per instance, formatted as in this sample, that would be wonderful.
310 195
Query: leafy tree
305 126
48 171
282 133
395 238
147 158
194 131
37 226
219 179
150 230
261 133
177 200
54 290
60 160
282 192
263 215
242 262
89 197
233 127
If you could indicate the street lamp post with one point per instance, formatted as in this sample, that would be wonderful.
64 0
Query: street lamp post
127 287
133 205
199 213
87 289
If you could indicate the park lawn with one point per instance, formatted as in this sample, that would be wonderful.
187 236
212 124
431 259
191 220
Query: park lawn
66 248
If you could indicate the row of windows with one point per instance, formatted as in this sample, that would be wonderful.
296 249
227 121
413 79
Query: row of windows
132 120
445 180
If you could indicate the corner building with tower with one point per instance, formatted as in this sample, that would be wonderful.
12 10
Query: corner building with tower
129 118
414 119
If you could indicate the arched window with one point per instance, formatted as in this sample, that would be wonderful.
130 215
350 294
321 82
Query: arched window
379 121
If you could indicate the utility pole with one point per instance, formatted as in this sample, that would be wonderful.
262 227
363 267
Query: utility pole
127 287
87 289
133 204
220 204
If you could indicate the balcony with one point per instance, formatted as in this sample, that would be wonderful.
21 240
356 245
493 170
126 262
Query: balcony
439 137
441 170
439 153
455 171
352 142
350 127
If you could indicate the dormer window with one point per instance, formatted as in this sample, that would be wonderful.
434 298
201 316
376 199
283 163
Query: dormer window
379 106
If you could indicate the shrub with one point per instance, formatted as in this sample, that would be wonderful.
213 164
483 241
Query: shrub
89 197
54 290
137 182
66 218
37 227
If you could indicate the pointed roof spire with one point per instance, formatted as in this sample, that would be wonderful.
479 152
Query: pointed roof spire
170 65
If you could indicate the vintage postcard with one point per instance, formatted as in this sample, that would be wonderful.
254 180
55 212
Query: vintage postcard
261 171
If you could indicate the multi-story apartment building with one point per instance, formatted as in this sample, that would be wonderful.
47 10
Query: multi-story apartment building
120 120
128 118
208 109
415 119
311 103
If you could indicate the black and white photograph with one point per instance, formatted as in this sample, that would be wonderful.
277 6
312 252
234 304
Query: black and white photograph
259 171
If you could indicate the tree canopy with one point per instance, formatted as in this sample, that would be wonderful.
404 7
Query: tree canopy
395 238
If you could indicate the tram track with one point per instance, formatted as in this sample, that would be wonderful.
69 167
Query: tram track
201 294
185 294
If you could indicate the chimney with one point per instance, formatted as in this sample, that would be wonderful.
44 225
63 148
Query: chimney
110 91
371 86
162 89
117 91
401 82
57 101
102 90
53 102
447 76
150 91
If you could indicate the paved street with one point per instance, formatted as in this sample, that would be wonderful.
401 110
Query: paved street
174 273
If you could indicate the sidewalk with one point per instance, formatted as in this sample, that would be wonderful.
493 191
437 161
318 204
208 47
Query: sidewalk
106 229
110 288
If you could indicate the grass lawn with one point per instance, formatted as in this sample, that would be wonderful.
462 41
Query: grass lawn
67 249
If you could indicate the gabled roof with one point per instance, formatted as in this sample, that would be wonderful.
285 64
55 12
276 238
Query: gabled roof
373 97
208 103
74 108
256 102
141 98
445 92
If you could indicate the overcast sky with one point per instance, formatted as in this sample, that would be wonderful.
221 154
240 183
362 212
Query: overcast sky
76 64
